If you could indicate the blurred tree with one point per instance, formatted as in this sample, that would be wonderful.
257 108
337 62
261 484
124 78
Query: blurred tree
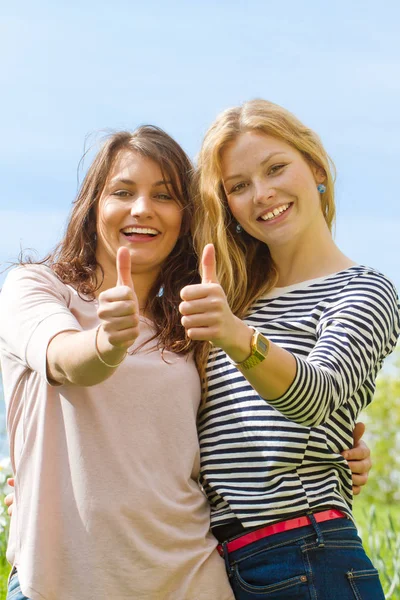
382 418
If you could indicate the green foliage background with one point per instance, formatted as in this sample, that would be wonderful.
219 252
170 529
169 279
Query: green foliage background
382 418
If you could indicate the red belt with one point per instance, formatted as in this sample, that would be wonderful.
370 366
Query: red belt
259 534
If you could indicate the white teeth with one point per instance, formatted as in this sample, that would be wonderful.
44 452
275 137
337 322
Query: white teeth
277 211
147 230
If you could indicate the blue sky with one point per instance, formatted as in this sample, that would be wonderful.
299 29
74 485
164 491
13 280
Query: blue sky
69 70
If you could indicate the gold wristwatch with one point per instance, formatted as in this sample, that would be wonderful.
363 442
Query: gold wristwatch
259 350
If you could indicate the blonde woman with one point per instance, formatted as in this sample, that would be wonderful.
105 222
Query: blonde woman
299 333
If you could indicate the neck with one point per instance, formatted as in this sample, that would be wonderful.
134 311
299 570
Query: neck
313 256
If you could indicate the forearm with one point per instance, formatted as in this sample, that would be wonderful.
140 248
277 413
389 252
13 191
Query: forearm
304 392
72 358
272 377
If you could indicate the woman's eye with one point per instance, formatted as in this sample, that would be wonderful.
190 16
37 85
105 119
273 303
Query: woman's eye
275 169
121 193
164 197
238 187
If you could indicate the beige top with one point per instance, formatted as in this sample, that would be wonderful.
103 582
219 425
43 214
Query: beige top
107 503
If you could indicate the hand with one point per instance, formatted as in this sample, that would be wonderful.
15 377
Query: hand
205 310
118 309
9 499
359 459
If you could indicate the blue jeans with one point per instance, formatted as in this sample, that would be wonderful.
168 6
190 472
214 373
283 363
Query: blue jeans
323 561
14 590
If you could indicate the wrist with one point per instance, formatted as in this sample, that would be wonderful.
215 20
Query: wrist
110 356
240 350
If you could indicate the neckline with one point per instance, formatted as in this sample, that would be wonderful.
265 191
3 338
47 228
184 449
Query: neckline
280 291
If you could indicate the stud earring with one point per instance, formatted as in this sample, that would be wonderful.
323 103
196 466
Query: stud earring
239 228
321 188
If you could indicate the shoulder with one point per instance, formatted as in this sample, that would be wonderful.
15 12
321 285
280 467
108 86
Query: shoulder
366 284
33 278
366 301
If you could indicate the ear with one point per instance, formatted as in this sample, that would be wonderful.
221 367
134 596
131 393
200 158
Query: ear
319 174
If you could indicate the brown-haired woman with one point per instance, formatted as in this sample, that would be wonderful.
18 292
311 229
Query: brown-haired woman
300 332
103 391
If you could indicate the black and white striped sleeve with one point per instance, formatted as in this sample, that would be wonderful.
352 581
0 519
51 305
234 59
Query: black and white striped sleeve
357 330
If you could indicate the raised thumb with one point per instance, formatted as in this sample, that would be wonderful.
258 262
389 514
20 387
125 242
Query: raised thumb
124 267
209 265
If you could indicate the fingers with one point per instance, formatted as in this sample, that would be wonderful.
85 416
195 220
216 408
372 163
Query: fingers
199 291
359 480
209 265
359 467
124 267
11 481
358 432
120 324
123 338
200 305
109 308
358 453
9 501
202 311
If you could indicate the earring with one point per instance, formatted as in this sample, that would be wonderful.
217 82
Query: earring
239 228
160 292
321 188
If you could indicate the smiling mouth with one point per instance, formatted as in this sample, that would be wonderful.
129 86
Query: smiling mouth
277 212
145 232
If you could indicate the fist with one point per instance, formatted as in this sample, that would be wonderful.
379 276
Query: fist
204 308
118 306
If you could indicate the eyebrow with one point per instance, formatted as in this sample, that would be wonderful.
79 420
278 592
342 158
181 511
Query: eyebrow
263 162
131 182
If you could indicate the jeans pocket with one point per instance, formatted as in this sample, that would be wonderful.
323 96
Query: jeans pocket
248 584
365 584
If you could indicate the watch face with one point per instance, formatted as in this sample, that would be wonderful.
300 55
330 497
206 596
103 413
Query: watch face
262 346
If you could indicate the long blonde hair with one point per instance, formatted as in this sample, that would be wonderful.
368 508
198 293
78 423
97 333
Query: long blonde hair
244 265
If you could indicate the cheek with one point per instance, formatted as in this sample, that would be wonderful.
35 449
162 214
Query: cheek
108 217
175 221
109 212
237 208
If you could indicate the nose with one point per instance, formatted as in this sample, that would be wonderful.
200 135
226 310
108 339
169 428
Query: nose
263 192
142 206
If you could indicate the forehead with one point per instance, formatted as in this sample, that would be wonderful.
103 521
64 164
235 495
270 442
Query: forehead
131 165
249 148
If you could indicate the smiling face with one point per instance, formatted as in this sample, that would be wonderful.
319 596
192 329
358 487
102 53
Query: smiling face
271 189
137 210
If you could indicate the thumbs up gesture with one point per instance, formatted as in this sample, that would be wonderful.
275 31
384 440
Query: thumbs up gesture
205 309
119 311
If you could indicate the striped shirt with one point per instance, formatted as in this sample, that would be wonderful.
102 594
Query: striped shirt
263 462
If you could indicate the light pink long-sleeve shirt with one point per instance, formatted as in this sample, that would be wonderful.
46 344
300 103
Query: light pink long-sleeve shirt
107 503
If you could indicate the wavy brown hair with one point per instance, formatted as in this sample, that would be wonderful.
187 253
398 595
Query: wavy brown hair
74 258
